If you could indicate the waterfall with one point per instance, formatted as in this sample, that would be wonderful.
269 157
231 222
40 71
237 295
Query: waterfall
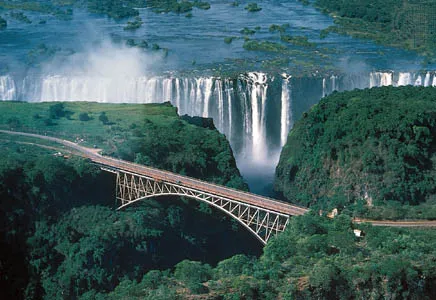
404 79
257 90
7 88
378 79
178 95
386 79
167 89
373 79
286 110
208 82
180 90
191 89
198 99
427 79
220 102
185 95
324 91
229 92
246 121
333 79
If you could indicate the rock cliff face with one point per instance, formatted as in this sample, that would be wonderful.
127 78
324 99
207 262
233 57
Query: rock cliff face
366 147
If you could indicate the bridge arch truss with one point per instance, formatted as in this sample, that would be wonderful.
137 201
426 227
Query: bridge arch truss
263 223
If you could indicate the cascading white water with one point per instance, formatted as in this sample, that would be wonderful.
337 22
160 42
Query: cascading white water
404 79
208 83
178 94
378 79
100 89
220 102
427 79
245 107
171 88
229 91
167 89
286 111
185 95
386 79
148 89
324 91
257 90
199 98
333 83
373 78
7 88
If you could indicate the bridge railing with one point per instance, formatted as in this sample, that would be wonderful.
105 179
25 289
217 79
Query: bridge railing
202 185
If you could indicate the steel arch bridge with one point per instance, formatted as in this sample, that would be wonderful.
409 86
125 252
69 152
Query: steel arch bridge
261 222
262 216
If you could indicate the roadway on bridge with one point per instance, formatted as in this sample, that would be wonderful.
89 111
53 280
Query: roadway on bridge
245 197
218 190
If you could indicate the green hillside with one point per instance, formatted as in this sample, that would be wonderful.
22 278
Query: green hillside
151 134
60 235
365 150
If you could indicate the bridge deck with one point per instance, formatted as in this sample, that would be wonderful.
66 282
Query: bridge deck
248 198
245 197
215 189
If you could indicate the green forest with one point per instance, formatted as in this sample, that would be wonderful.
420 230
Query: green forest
61 237
60 234
315 258
368 152
410 24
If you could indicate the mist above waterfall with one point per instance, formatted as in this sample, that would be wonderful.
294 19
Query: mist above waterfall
102 72
350 64
104 59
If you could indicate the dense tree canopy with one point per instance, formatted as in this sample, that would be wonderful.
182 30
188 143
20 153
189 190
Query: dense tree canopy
371 146
316 258
60 236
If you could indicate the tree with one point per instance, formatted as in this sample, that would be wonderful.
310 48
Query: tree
236 265
193 273
103 118
84 117
57 111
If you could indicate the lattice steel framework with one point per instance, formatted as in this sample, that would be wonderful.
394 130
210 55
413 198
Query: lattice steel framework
261 222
